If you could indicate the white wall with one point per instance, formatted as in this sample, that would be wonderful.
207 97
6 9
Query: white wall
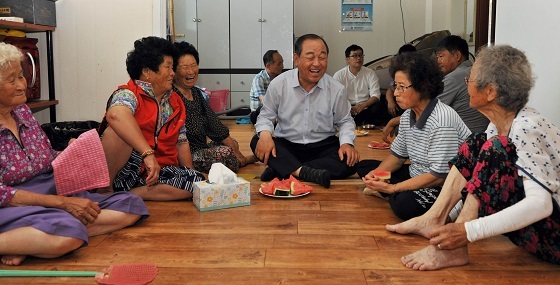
532 26
91 41
323 17
93 36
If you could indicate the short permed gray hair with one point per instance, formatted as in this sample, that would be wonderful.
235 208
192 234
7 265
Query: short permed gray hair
8 54
509 70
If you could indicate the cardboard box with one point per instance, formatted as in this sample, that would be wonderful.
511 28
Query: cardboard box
40 12
208 196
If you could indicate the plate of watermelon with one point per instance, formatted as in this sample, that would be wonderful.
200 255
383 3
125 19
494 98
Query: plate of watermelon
287 188
378 145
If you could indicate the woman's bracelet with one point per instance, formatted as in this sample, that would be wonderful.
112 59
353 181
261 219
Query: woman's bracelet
146 153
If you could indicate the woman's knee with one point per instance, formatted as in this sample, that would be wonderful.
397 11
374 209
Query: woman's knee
497 150
117 151
123 220
62 245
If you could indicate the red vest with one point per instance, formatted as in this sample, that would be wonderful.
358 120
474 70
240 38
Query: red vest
163 143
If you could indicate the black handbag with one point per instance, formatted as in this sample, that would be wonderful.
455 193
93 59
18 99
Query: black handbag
61 132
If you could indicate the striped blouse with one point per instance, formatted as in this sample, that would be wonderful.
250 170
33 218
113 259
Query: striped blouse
432 141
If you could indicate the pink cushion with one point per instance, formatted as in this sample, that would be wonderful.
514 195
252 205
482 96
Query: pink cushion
81 166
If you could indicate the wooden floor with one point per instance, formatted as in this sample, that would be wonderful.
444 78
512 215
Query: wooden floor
332 236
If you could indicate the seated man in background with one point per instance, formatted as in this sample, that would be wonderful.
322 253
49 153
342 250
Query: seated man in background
310 107
362 86
453 58
274 64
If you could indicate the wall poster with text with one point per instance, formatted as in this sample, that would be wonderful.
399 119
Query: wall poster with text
357 15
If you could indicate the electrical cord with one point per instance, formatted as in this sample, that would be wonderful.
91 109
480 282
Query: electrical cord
402 18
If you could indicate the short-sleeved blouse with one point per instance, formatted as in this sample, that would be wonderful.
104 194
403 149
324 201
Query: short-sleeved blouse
201 121
431 141
22 162
538 148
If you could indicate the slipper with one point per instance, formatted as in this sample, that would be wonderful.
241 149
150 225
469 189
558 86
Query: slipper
244 120
378 145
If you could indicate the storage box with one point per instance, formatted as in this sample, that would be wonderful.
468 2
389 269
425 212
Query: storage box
208 196
40 12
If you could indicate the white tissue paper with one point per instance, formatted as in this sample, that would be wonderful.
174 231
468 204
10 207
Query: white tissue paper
222 190
220 174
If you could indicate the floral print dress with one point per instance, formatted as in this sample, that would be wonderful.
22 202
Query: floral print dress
495 166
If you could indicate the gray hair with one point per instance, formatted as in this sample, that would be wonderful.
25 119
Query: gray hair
509 70
8 54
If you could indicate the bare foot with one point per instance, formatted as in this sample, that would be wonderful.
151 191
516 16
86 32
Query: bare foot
432 258
418 225
251 159
13 259
374 193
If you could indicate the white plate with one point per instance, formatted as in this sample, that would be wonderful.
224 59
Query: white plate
284 197
364 133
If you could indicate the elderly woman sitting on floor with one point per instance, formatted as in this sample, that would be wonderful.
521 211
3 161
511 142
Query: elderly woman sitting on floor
144 134
202 122
430 132
510 174
34 221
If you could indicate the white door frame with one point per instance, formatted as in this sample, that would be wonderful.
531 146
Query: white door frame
159 14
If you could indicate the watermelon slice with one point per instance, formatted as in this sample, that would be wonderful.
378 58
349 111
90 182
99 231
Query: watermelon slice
378 145
268 188
286 187
382 175
298 188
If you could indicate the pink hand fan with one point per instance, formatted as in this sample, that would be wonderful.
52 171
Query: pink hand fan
81 166
131 274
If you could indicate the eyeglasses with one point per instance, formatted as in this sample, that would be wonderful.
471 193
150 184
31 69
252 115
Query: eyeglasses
357 56
467 80
400 88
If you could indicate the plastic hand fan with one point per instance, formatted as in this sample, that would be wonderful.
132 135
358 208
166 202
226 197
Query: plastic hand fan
133 274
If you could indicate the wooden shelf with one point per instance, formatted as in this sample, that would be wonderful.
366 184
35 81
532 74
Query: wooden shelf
51 103
39 104
26 27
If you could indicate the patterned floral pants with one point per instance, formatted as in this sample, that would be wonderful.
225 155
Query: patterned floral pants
489 168
203 158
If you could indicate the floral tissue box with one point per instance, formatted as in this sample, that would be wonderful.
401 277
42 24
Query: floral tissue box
208 196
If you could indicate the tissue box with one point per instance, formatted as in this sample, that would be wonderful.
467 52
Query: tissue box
208 196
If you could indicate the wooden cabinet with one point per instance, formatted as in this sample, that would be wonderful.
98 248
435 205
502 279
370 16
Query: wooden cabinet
260 25
32 28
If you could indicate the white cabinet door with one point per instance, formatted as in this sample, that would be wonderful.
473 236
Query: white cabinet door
186 21
240 87
278 29
214 81
241 82
213 33
239 98
246 34
260 25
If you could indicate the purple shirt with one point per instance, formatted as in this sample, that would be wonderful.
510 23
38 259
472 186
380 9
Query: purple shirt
21 162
